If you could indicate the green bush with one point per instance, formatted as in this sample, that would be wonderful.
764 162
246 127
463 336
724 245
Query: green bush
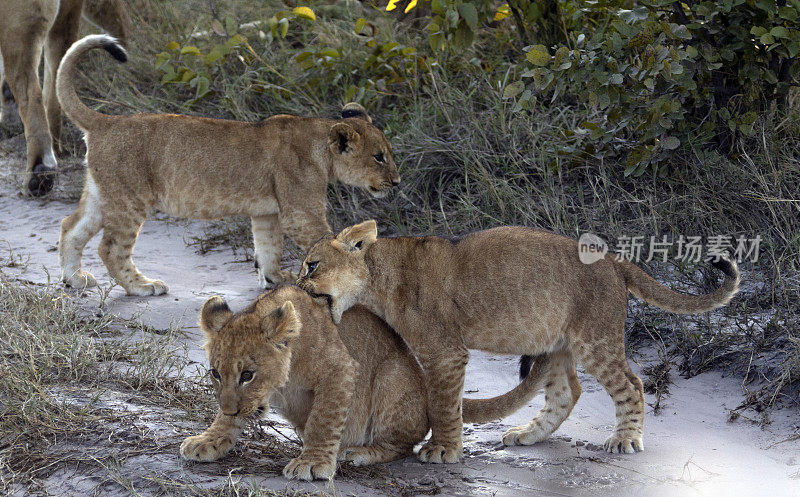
651 74
646 77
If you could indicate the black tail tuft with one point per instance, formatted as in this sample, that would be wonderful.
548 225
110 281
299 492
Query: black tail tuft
725 266
351 113
116 51
525 364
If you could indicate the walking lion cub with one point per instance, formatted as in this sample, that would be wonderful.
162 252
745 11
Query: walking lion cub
357 392
276 171
508 290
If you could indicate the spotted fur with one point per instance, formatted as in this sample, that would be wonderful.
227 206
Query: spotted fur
508 290
356 391
275 171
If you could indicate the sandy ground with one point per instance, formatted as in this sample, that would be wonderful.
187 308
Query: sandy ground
691 447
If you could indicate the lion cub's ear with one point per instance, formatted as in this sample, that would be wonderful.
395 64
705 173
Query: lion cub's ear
359 236
213 315
355 109
343 139
286 324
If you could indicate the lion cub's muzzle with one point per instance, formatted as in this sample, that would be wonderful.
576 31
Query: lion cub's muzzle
308 287
383 188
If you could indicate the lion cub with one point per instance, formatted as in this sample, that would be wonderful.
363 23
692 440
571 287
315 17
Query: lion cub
276 171
357 392
508 290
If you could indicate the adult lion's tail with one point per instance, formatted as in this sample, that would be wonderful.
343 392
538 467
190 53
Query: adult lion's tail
484 410
646 288
77 111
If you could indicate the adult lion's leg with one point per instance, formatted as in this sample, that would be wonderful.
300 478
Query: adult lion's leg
268 245
61 36
445 370
110 15
21 38
604 358
120 229
213 443
7 111
76 231
561 392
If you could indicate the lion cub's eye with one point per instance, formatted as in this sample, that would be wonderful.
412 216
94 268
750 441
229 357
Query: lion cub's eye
246 376
215 374
379 157
311 267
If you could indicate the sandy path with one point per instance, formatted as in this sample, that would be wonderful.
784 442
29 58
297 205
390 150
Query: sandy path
691 448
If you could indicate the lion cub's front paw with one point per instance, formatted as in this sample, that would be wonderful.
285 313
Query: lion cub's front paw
149 287
80 279
303 468
439 453
624 443
206 448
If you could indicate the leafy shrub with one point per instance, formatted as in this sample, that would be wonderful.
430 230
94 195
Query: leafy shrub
650 74
367 68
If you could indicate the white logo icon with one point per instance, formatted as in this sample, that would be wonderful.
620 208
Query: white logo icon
591 248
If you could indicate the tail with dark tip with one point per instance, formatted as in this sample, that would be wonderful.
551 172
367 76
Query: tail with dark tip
648 289
73 107
485 410
525 363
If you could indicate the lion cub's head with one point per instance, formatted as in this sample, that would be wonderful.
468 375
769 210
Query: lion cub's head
249 353
362 156
335 267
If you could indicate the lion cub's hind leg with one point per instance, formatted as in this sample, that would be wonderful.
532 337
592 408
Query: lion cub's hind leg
76 231
607 363
268 245
398 422
121 224
373 454
561 392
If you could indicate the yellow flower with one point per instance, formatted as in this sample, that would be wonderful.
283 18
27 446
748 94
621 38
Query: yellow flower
502 12
411 5
305 13
392 5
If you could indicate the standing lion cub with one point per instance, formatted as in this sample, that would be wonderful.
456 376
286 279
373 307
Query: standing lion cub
356 392
276 171
508 290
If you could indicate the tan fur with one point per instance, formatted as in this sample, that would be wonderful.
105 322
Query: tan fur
509 290
357 392
276 171
27 26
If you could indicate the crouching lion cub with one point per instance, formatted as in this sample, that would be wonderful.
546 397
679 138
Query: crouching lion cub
356 392
508 290
276 171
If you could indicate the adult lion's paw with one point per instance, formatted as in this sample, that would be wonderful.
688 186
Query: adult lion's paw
440 453
303 468
275 279
206 448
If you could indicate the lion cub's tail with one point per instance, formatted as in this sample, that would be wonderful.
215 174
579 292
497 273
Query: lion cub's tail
76 110
646 288
485 410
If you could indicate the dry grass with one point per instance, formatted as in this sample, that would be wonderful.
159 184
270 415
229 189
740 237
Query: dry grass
469 163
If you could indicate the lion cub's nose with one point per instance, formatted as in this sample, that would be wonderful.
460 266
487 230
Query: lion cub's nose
396 181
